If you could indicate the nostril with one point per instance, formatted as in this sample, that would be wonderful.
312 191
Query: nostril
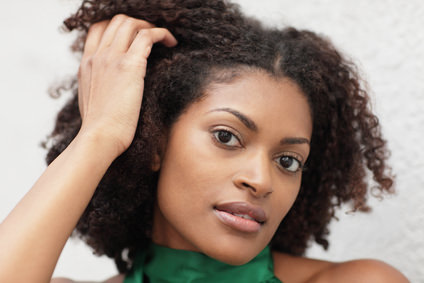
248 186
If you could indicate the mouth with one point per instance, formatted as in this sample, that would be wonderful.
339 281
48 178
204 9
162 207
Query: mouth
241 216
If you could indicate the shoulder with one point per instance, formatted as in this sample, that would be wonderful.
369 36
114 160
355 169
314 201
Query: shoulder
304 270
366 270
295 269
115 279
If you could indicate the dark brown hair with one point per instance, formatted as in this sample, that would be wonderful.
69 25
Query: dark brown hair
346 147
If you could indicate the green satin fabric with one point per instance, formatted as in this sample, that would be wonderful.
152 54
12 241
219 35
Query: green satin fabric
159 264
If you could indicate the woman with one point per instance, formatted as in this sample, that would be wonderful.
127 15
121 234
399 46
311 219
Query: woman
246 137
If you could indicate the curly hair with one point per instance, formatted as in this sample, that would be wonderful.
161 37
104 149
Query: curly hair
216 43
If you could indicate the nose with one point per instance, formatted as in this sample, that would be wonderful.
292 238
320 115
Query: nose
255 175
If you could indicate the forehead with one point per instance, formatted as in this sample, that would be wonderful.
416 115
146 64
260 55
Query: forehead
265 99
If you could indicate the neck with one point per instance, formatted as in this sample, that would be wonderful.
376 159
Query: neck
164 234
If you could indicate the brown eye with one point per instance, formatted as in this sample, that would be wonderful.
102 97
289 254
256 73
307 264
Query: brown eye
289 163
226 138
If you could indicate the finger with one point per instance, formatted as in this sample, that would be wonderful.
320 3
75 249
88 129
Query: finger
145 38
95 34
111 30
91 44
127 31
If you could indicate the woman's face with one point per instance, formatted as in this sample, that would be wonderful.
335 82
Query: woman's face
232 168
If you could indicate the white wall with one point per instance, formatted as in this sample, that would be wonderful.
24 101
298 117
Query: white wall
385 38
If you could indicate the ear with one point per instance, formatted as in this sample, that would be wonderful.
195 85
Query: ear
156 162
157 157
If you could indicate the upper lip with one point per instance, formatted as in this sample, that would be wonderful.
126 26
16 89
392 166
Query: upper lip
253 211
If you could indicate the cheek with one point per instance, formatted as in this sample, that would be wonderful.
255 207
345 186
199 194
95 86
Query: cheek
193 159
283 201
187 177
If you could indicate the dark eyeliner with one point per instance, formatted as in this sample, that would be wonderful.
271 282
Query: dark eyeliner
295 158
216 130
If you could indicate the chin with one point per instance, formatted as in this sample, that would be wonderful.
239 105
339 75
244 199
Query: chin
236 258
234 251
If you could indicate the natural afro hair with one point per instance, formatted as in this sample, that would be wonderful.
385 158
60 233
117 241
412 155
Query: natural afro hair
216 43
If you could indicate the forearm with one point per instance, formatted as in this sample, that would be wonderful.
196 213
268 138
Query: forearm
33 235
110 91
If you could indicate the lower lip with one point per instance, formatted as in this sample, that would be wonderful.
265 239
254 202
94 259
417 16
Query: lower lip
238 223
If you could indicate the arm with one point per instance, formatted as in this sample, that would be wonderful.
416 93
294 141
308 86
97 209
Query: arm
114 61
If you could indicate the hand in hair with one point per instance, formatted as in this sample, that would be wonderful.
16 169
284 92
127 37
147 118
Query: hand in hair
111 81
111 76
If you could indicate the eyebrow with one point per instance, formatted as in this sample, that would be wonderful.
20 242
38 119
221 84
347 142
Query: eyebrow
252 126
294 141
243 118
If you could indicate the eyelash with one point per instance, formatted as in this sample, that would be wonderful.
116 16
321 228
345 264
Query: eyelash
215 134
292 156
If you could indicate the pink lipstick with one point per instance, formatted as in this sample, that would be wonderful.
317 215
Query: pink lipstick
241 216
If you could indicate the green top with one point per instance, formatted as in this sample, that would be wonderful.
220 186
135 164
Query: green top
158 264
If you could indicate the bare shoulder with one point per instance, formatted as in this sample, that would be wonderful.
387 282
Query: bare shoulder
305 270
115 279
295 269
365 270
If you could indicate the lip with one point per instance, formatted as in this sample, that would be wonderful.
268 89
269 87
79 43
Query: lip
241 216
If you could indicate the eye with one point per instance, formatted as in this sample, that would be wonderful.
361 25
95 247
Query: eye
226 137
289 163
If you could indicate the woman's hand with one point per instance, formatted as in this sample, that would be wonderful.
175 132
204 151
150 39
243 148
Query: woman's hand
111 77
111 80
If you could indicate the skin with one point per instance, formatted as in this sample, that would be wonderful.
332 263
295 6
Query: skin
114 60
198 171
33 235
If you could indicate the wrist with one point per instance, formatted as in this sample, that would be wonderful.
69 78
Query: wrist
99 145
